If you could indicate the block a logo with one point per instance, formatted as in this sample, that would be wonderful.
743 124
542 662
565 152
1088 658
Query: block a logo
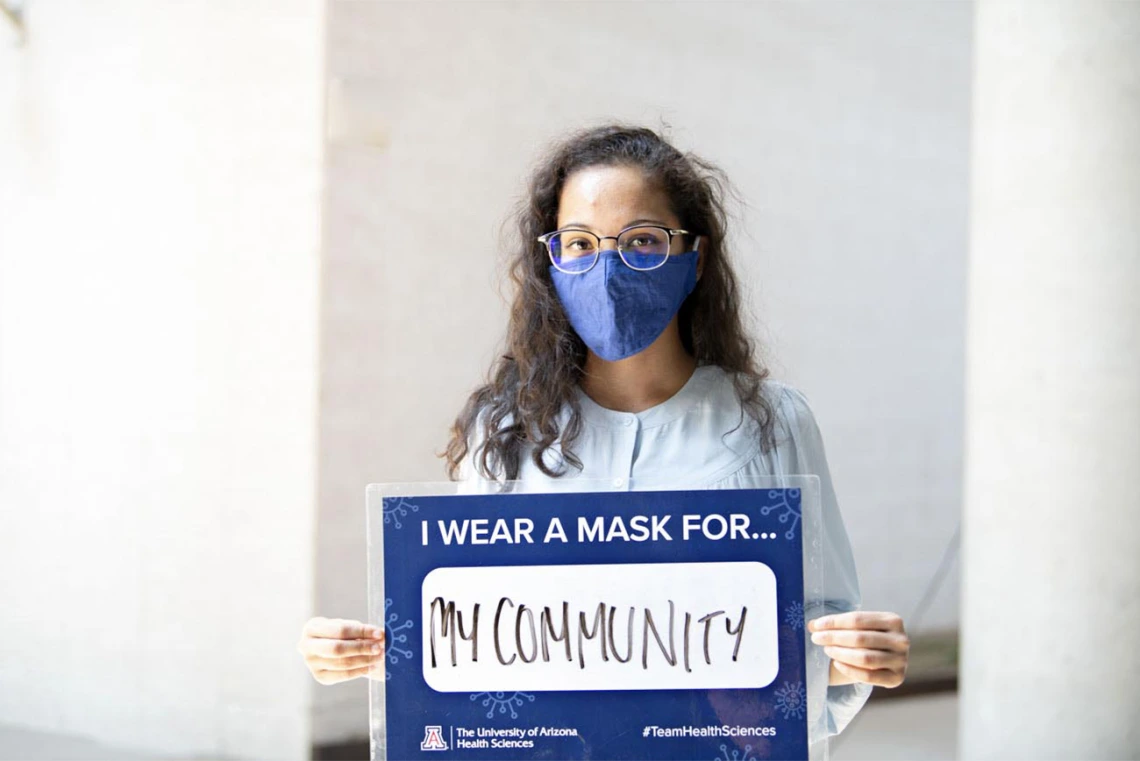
433 739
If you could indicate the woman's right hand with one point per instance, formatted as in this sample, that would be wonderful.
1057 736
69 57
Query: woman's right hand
337 650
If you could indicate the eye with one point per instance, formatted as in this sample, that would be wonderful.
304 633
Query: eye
577 243
644 240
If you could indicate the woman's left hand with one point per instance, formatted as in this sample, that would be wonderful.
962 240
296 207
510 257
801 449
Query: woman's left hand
864 646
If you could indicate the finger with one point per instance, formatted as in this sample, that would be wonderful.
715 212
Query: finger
342 664
334 677
340 648
341 628
873 640
859 619
866 658
878 677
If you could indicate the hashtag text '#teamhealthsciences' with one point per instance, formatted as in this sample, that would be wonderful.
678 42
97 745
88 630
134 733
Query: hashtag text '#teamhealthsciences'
721 730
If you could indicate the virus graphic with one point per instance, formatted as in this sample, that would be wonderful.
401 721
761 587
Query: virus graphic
396 508
794 616
735 754
502 701
791 700
788 511
395 640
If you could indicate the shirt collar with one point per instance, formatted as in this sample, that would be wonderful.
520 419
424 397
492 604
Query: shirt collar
690 395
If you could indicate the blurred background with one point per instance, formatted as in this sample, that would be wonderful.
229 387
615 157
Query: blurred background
250 263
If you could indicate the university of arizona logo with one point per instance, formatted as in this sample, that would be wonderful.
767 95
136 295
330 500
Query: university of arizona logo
433 739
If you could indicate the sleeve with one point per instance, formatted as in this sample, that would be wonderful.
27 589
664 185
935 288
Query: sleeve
802 452
469 480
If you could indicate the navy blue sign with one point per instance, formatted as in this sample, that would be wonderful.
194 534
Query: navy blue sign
568 626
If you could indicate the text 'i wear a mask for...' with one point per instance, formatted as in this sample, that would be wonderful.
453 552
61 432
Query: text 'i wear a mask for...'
619 311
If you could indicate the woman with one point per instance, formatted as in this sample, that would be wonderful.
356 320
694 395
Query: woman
628 360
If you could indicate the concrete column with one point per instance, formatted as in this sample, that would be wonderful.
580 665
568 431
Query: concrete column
1051 586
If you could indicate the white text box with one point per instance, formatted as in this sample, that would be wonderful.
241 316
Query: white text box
648 626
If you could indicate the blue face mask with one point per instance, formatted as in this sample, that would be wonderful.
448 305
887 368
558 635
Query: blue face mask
618 311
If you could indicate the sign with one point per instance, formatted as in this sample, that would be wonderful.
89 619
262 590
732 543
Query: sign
600 625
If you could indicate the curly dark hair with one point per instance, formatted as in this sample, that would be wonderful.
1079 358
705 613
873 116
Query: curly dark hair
536 379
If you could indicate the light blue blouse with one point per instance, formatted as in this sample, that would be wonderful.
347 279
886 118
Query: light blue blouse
696 440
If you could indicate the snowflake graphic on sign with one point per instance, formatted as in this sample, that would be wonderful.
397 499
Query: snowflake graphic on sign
791 700
788 512
735 754
394 636
502 702
396 508
794 616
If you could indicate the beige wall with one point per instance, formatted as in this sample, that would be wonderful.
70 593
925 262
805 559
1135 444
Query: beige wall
159 232
844 126
1052 530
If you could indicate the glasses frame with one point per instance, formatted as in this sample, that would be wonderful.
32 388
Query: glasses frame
546 238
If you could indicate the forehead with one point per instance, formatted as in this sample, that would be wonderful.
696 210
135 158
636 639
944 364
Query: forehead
607 197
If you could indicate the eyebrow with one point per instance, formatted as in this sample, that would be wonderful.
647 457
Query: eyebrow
632 223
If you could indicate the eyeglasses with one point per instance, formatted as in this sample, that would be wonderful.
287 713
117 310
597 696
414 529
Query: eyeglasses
642 248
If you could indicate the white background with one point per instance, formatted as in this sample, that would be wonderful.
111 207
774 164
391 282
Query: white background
196 383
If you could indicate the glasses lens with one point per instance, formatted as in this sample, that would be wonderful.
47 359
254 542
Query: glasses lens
644 248
573 250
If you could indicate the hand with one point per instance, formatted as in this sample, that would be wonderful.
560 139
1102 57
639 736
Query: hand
864 646
337 650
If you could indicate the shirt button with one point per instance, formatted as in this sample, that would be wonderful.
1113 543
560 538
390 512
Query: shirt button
619 482
629 421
